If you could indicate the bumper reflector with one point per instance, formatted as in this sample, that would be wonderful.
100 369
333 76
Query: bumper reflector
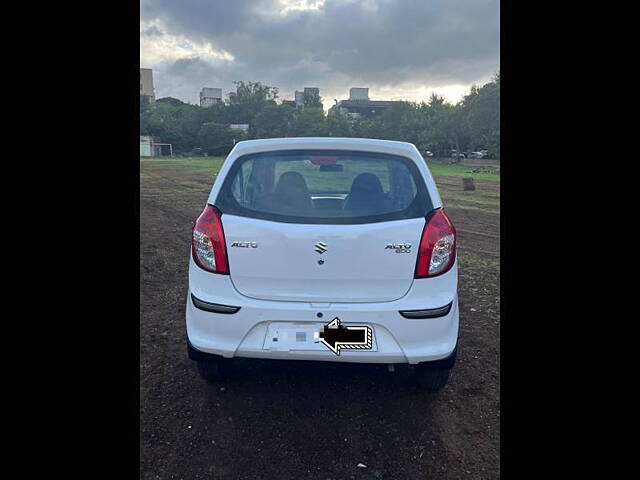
430 313
213 307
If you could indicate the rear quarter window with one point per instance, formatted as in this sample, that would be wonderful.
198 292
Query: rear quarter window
322 186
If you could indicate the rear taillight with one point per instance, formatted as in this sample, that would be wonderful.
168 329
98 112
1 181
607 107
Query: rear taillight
437 247
207 241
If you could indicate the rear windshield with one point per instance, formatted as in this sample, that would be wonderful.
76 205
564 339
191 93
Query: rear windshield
324 186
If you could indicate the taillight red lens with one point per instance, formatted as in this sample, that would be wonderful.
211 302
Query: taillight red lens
207 241
438 246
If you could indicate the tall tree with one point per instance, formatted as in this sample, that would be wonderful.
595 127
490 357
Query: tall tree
338 125
249 99
310 122
438 134
216 113
144 105
171 101
388 124
273 121
312 100
361 127
480 116
216 139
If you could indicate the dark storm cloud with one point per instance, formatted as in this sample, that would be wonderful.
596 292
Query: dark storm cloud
152 31
369 43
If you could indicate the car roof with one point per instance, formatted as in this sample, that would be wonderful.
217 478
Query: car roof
335 143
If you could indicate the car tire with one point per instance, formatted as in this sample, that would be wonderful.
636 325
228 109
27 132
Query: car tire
216 370
432 379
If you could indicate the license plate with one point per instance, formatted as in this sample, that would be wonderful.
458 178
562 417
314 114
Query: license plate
287 336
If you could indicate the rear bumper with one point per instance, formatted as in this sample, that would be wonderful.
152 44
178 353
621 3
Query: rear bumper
397 339
445 363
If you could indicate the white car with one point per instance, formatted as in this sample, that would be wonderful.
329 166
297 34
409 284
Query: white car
325 249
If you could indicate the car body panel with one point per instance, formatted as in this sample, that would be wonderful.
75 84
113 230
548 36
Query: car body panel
356 266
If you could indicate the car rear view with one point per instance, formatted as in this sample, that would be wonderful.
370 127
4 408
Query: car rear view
306 243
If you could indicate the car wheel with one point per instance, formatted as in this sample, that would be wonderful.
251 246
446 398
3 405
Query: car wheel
215 370
432 379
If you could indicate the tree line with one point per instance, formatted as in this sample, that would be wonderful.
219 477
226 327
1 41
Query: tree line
436 125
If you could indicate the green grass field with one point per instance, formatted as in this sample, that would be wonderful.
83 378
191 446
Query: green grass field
443 169
211 165
205 165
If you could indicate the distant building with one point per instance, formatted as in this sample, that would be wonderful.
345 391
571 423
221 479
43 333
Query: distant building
357 93
300 95
146 83
210 96
311 91
359 104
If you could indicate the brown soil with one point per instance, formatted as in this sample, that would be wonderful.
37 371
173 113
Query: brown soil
305 420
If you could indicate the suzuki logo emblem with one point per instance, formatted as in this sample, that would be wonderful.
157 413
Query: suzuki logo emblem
321 247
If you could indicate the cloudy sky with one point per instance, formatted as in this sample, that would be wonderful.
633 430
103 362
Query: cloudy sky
400 49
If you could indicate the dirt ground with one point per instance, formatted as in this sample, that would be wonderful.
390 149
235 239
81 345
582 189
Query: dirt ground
304 420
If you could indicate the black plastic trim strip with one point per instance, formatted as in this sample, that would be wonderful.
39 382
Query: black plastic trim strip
198 356
442 364
213 307
427 313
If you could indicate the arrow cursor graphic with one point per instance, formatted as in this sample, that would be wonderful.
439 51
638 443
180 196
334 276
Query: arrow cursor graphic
337 336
